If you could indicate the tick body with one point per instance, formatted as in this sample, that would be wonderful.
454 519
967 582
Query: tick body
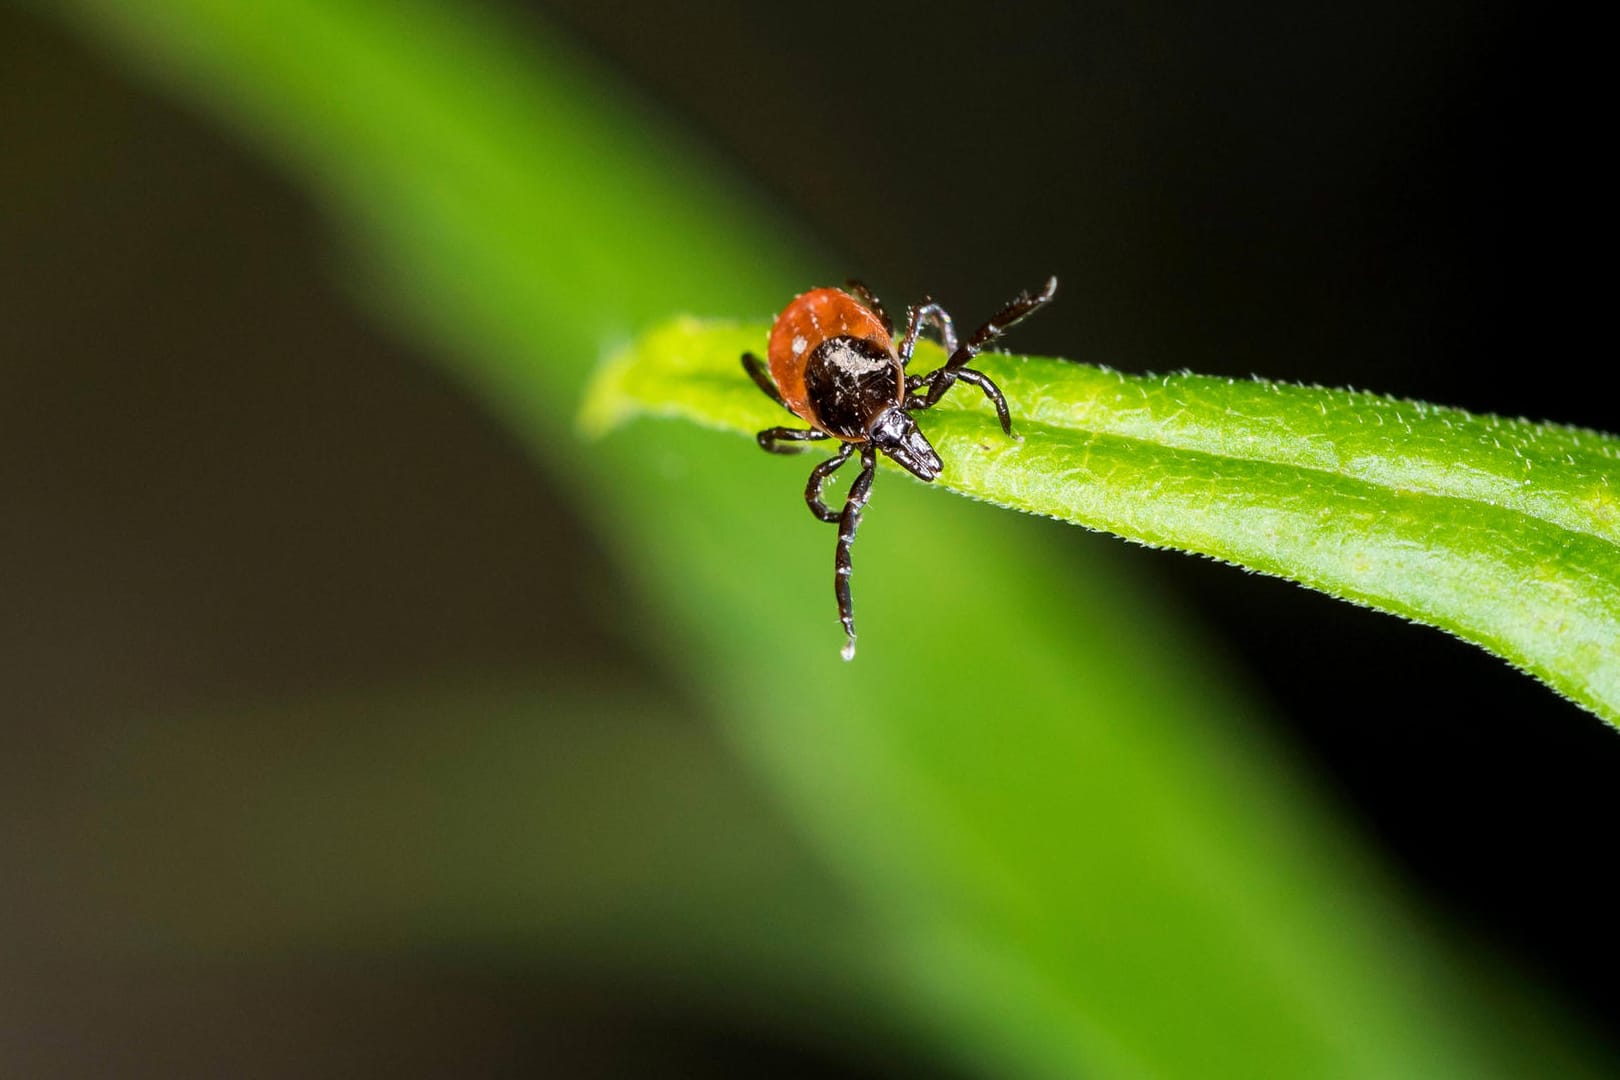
834 363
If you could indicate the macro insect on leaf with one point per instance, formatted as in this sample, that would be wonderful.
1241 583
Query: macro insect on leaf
835 365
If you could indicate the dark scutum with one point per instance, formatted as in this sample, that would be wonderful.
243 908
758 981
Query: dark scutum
850 380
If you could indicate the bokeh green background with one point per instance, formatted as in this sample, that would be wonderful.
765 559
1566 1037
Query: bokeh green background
366 718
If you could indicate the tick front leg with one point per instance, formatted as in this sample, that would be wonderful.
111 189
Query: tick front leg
848 522
943 379
927 311
818 478
1017 310
772 439
991 391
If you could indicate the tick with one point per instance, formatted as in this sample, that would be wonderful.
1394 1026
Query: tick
835 365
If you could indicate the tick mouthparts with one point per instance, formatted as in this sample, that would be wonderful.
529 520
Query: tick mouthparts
897 435
917 456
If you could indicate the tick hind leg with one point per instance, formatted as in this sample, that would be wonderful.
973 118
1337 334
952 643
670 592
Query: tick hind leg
762 379
866 296
848 522
779 440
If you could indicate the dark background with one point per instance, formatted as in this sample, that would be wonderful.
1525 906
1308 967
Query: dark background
1399 197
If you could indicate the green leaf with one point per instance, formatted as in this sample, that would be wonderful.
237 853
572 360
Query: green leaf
1073 848
1503 532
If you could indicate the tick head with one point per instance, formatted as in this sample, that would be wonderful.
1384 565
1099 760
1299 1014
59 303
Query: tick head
896 433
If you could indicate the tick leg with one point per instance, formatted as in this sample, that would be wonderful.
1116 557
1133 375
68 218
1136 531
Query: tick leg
927 311
848 522
772 439
943 379
1017 310
756 371
819 477
991 391
1020 308
869 298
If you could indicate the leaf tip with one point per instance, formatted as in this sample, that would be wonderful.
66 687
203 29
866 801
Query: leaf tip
606 405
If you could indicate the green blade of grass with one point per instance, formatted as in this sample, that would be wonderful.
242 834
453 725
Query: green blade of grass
1075 852
1503 532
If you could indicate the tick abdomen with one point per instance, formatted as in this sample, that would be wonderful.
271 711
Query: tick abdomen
812 319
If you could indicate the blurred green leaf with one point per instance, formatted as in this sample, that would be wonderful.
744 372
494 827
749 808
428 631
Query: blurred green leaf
1504 532
1080 855
543 824
454 809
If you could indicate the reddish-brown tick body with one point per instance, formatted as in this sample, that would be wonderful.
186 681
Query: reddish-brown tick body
835 365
